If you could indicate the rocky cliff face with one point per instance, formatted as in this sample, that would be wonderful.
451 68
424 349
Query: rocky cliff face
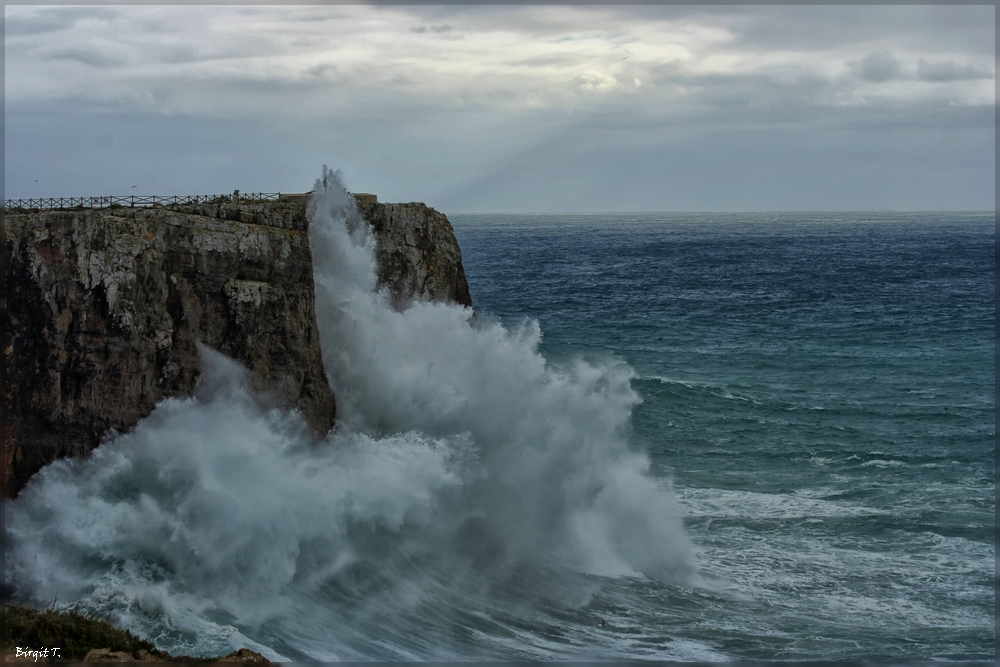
105 308
417 254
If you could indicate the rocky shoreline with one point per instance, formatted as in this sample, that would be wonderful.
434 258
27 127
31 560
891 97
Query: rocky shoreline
68 636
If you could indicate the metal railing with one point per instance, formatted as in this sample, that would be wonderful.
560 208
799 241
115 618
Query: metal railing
132 201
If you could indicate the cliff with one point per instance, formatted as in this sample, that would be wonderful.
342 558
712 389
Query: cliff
416 252
105 307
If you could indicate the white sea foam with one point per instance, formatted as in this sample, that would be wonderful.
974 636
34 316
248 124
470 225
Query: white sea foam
461 458
803 504
883 463
558 477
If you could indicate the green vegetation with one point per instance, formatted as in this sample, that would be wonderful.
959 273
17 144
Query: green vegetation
75 635
71 631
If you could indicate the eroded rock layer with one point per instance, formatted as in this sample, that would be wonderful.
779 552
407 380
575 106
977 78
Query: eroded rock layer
104 309
417 254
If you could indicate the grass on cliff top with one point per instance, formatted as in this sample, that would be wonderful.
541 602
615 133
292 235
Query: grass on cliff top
71 631
76 635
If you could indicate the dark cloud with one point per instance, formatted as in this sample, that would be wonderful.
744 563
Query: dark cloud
882 66
949 70
877 67
437 29
324 71
811 27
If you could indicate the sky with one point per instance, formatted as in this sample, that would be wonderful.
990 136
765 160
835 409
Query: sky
529 108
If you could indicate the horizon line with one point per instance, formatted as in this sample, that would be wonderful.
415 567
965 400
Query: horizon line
715 212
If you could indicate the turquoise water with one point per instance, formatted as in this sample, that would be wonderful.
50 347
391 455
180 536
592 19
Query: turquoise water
821 390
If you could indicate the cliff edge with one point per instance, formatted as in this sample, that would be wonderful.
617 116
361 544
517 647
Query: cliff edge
105 309
417 254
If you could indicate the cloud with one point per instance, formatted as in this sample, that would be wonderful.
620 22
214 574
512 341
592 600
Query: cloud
91 57
437 29
468 87
218 60
949 70
52 19
882 67
831 27
596 81
877 67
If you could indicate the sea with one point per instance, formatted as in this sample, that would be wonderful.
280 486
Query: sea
711 437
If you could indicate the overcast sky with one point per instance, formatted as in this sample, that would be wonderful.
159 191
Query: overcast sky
515 108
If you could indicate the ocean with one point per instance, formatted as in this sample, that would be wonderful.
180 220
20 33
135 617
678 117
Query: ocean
820 389
694 437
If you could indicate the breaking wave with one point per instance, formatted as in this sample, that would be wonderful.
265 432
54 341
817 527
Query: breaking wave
469 488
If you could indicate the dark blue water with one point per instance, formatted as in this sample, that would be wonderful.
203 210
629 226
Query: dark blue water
821 390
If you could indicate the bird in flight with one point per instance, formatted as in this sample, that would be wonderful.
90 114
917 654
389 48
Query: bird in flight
625 58
135 186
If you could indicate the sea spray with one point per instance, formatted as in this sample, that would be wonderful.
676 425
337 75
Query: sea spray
468 485
214 508
559 479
